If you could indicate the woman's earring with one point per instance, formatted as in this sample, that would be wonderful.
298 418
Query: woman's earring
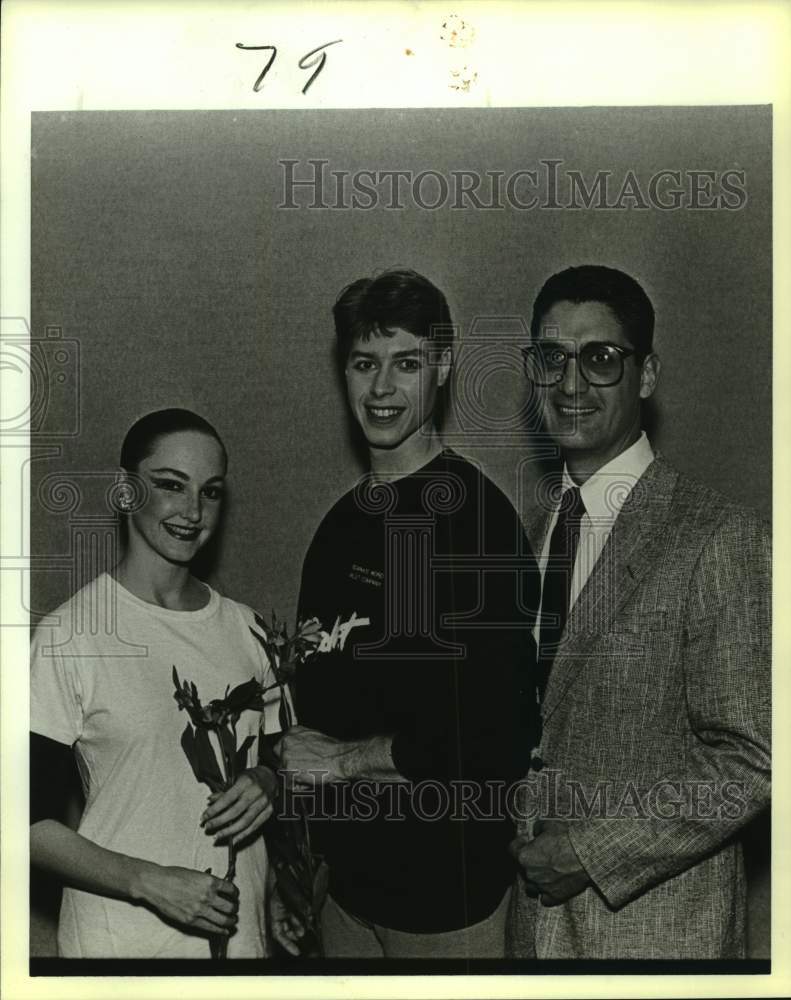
124 499
127 495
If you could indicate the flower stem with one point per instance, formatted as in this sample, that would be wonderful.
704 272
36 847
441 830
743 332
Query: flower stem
220 950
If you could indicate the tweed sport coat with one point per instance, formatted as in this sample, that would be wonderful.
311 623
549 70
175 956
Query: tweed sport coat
656 738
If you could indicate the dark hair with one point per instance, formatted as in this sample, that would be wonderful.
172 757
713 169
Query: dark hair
624 297
397 299
142 437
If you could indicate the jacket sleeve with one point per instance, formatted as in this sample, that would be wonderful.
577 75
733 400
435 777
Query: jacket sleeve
727 678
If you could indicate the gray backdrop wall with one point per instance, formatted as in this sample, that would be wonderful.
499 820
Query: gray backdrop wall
159 248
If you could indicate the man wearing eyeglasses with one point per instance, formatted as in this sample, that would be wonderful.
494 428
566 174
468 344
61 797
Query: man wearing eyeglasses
654 646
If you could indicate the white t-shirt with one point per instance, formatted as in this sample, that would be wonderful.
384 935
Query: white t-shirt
101 679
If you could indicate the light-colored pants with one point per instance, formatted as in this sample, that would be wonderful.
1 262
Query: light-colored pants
346 936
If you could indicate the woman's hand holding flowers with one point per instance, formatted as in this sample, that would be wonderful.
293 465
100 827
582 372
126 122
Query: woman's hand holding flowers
243 809
191 898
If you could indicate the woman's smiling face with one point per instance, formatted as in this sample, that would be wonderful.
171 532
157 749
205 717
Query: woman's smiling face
185 478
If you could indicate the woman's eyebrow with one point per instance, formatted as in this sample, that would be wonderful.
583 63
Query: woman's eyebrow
172 472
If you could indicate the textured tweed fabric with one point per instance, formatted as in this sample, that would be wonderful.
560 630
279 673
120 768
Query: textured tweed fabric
657 731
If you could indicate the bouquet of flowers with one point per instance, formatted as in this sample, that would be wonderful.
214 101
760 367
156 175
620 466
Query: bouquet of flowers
218 718
300 876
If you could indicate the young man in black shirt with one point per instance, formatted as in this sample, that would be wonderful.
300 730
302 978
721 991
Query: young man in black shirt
418 713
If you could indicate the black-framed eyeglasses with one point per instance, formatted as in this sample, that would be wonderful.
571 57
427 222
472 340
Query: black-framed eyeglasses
599 363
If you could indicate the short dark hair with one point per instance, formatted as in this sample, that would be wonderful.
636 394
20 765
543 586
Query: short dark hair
142 437
395 299
622 294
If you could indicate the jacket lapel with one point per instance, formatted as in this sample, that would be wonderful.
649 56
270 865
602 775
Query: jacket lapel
536 527
637 535
539 516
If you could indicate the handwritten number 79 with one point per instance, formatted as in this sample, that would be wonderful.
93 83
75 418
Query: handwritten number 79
317 55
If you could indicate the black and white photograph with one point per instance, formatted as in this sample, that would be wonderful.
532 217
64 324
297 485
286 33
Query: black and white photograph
399 496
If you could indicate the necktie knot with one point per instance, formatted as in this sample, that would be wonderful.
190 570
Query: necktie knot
571 505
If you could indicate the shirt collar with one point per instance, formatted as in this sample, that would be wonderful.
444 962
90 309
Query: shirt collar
607 489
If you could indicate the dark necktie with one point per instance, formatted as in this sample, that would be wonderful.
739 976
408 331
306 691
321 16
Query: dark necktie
556 590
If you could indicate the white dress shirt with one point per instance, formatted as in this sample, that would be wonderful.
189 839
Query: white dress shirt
603 496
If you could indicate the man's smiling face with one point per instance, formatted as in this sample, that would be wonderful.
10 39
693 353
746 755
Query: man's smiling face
392 382
593 423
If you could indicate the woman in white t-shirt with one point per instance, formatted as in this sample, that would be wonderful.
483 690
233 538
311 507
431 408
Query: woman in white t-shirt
141 872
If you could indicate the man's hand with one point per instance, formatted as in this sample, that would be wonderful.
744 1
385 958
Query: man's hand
287 929
311 757
549 863
244 808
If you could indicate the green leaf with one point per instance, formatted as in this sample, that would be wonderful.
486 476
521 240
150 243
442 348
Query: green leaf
215 713
188 745
241 753
243 696
280 844
283 714
207 770
265 642
321 883
228 741
295 896
201 757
